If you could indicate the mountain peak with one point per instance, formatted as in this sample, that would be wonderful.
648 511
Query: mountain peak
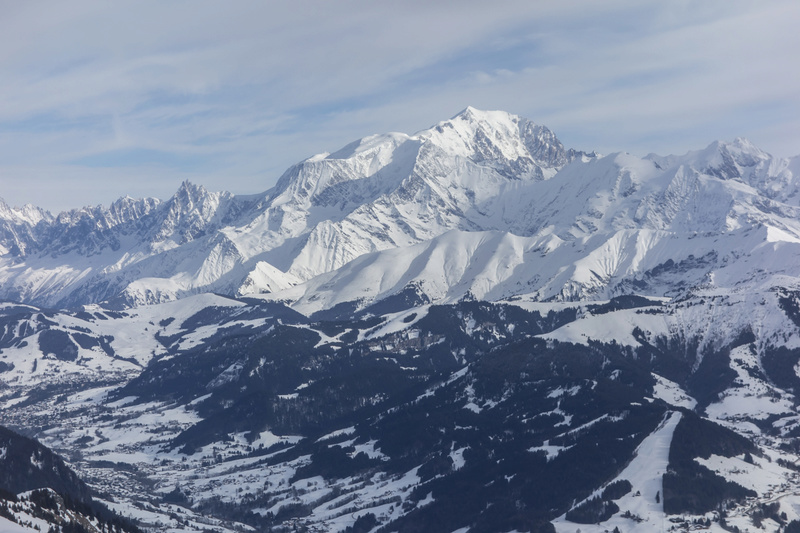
493 135
728 160
191 197
469 110
470 113
740 145
188 189
745 152
28 213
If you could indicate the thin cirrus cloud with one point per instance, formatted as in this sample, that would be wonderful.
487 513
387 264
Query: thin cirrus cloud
99 99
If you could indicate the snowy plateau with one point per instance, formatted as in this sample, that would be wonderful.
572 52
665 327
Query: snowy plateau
468 329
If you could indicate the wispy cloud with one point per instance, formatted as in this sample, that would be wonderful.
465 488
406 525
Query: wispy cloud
102 99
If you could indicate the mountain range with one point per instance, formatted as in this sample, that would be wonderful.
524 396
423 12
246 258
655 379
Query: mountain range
472 328
486 204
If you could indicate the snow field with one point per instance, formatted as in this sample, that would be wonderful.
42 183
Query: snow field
644 473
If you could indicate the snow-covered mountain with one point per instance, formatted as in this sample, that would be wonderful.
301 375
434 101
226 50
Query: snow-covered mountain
377 193
243 415
471 328
485 204
595 229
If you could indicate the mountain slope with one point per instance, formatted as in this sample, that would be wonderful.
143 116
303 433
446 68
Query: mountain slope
38 489
594 230
250 412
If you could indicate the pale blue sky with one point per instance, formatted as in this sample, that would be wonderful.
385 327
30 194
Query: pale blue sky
101 99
